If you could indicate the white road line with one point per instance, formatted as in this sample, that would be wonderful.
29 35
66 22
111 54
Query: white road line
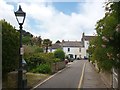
47 79
81 78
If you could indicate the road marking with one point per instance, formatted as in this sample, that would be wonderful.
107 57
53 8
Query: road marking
81 78
48 79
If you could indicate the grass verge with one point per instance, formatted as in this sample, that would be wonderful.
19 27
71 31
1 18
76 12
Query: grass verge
35 78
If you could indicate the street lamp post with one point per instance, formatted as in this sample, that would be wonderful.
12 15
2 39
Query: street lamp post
20 16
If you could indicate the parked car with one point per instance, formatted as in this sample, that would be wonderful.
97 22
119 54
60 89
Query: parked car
85 58
71 59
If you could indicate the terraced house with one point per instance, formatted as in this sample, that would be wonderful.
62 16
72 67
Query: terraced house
74 49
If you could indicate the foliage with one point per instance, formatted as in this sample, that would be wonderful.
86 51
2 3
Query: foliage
24 33
59 53
42 68
46 44
29 50
56 60
36 41
26 37
39 50
36 59
39 41
26 40
29 39
105 47
10 47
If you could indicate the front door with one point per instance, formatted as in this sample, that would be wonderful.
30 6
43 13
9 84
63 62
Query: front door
75 56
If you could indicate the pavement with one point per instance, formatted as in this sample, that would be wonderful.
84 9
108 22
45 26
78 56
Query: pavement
92 78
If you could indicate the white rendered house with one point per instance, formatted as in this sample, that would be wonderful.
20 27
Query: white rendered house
69 47
78 49
72 48
85 41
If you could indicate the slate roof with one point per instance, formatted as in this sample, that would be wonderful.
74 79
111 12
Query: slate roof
56 46
71 44
88 38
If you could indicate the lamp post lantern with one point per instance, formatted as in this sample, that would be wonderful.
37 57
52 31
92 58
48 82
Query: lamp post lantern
20 16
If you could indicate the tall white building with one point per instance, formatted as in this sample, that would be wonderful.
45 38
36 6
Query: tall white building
85 41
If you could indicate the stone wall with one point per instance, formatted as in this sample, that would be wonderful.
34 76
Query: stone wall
57 66
12 79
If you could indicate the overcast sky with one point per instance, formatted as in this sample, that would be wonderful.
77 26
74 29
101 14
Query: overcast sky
57 20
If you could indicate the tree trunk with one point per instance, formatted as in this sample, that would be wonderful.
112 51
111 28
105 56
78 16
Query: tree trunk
47 49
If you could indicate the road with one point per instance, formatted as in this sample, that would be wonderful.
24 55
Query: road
68 78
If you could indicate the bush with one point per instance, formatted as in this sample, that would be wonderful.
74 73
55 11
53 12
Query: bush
10 48
39 50
36 59
56 60
42 68
59 53
29 50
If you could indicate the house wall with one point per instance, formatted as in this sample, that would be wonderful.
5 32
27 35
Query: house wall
51 50
83 52
73 50
86 44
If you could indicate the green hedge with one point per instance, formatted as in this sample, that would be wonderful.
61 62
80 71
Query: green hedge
10 48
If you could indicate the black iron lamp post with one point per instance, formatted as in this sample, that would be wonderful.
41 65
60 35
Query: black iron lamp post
20 16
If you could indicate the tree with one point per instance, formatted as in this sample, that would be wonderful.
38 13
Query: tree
26 40
36 41
33 41
26 37
46 44
39 41
59 53
107 46
10 48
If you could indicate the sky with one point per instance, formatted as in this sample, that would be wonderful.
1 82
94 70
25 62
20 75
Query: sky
55 19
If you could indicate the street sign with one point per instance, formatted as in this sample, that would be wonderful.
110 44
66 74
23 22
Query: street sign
21 51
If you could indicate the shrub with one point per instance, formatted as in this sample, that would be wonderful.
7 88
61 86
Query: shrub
28 49
10 47
56 60
42 68
36 59
59 53
39 50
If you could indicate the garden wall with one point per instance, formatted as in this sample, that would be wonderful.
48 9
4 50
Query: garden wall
57 66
